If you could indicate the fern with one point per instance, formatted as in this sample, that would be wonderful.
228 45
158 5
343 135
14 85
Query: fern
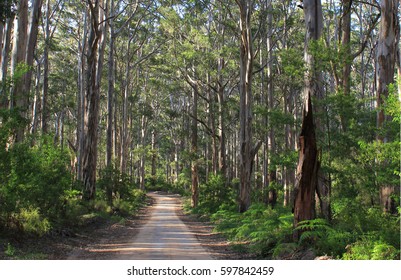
313 230
383 251
314 225
283 249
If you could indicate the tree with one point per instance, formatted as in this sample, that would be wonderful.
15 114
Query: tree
308 163
92 105
8 27
19 98
385 69
247 151
31 43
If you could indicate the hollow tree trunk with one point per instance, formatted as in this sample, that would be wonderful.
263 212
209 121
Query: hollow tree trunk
308 165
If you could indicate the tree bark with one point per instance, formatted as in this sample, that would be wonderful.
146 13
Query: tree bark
81 111
247 152
385 59
308 164
154 155
45 115
2 27
92 99
124 131
31 42
194 149
36 106
3 36
19 99
142 162
110 91
5 52
345 42
272 178
221 100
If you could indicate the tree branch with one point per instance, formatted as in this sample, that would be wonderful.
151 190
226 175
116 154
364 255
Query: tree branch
363 46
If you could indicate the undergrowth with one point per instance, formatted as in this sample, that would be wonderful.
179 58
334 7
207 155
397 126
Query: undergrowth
268 233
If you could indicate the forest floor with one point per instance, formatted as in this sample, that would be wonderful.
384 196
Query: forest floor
159 231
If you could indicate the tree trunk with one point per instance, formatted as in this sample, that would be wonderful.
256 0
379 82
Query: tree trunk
31 43
124 132
346 44
142 174
272 194
154 155
92 99
110 91
194 149
36 106
221 101
308 165
19 99
81 112
385 59
247 152
45 115
5 52
2 27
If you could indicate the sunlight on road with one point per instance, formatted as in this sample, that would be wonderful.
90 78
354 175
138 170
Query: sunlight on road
163 237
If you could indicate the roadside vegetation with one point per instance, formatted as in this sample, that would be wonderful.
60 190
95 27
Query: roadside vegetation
40 198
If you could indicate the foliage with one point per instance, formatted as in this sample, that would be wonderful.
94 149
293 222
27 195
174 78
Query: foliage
112 180
7 9
370 248
10 250
265 228
33 181
37 191
32 222
325 239
159 184
215 194
126 198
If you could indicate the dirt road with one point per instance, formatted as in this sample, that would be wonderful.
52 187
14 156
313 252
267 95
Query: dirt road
163 237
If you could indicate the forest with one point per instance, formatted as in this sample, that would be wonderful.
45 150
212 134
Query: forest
279 121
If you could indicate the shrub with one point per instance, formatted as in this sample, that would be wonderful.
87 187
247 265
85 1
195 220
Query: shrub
263 227
34 180
369 248
32 222
213 194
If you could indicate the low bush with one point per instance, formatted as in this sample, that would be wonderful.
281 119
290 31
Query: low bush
263 227
370 248
33 181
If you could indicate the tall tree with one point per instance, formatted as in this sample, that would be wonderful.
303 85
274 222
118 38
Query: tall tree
92 104
247 150
385 70
5 52
19 99
31 42
308 164
194 148
45 90
271 139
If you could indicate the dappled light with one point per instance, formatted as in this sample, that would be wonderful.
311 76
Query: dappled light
163 236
